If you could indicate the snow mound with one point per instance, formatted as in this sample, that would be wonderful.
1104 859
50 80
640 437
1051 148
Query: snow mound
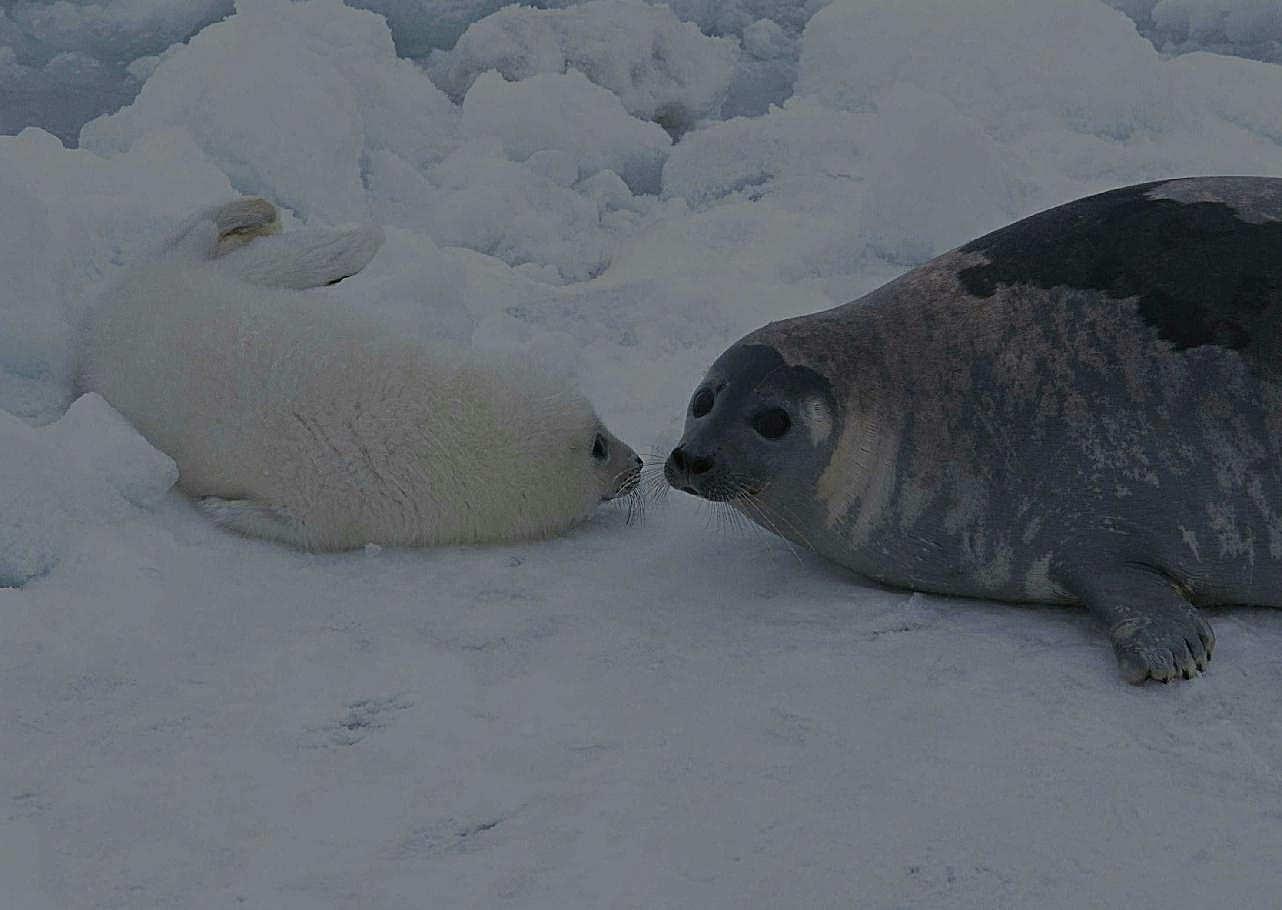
421 26
90 467
287 98
1064 61
661 68
769 33
1232 21
865 168
550 176
733 17
1066 86
412 284
1244 28
70 219
508 211
565 113
751 156
63 63
58 93
115 30
530 214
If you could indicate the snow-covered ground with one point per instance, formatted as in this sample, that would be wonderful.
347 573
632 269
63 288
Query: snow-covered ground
678 713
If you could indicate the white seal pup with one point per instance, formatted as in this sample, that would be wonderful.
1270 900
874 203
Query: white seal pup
1082 407
292 418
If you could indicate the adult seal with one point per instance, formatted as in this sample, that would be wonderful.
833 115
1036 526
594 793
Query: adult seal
1083 407
293 418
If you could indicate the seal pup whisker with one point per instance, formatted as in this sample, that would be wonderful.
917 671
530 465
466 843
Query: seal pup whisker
652 485
633 507
631 496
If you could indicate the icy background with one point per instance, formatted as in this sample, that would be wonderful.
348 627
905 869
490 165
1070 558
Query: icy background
669 715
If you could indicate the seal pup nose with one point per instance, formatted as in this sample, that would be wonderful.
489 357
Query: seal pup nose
627 479
631 476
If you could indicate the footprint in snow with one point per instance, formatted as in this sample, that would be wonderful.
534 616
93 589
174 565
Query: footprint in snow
360 719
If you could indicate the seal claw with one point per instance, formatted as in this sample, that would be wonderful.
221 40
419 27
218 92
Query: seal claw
1149 652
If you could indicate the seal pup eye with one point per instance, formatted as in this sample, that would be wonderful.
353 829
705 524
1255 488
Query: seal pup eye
772 422
701 403
600 448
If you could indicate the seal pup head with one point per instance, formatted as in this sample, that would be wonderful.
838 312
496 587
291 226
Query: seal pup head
615 465
755 428
533 456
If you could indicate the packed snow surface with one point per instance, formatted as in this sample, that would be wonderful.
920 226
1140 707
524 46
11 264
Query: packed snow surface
680 712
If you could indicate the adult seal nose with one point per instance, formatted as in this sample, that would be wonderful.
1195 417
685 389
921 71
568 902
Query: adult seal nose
683 467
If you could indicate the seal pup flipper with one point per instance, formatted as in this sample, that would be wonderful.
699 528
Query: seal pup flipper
241 221
253 519
216 231
308 258
1156 632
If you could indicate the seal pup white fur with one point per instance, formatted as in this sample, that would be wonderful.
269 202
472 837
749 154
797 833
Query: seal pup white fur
292 418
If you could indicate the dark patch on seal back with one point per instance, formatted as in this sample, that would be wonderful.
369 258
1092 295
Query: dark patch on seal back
1202 275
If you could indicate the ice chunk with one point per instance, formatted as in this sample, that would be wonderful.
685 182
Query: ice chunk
420 26
1061 61
288 98
1244 28
1066 86
565 112
503 209
662 69
63 63
116 30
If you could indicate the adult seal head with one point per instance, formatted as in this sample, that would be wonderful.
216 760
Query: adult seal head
292 417
1083 407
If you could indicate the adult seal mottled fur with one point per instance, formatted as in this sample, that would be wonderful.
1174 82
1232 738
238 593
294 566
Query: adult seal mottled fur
294 418
1083 407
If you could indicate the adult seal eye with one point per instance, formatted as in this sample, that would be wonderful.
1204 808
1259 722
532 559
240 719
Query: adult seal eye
772 422
600 448
701 404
